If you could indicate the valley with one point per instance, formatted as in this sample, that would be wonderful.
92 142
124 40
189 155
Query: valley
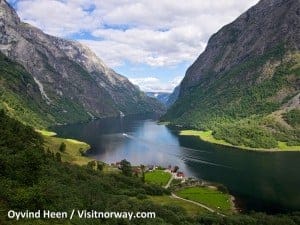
221 149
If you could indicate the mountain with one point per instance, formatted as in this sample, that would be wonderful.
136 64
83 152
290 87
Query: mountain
245 86
49 80
167 99
173 96
162 97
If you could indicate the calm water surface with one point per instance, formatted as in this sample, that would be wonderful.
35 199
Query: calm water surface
261 181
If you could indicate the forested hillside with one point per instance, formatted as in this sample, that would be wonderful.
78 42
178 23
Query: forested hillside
32 178
247 80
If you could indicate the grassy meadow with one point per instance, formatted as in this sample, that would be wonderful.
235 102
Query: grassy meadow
158 177
210 197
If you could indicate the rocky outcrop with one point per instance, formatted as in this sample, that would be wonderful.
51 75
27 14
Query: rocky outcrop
70 77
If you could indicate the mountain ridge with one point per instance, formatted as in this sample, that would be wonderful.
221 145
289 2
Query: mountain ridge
74 83
249 70
230 39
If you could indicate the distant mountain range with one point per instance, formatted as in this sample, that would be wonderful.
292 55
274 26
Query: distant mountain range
48 80
160 96
245 86
165 98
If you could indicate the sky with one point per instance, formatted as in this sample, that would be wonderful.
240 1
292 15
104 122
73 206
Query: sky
150 42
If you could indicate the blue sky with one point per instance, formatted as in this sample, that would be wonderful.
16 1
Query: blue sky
150 42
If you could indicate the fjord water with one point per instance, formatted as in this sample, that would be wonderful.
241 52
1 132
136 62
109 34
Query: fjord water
261 181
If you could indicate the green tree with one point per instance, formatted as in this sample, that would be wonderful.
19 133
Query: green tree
91 165
126 168
100 166
62 147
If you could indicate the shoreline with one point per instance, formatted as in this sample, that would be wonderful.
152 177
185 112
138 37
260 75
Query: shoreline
187 183
236 206
75 150
207 136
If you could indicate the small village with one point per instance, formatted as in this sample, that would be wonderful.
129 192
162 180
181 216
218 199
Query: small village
183 188
173 170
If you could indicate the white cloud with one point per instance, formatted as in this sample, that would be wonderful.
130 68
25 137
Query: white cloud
157 33
153 84
59 18
155 48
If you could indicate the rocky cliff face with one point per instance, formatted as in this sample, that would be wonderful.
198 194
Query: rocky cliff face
256 32
246 83
73 82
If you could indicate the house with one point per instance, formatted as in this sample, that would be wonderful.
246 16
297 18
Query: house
180 175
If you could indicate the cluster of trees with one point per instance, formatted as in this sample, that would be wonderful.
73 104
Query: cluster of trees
293 118
246 134
280 131
32 178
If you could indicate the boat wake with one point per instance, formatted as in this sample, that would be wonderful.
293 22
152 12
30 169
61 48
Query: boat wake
184 156
162 145
204 162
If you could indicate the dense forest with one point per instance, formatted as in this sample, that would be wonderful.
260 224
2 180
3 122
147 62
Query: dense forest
32 178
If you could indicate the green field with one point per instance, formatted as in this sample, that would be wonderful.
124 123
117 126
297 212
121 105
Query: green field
285 147
208 137
208 196
190 208
73 147
46 133
205 136
158 177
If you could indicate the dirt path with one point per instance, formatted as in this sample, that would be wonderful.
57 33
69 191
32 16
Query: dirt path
169 182
198 204
190 201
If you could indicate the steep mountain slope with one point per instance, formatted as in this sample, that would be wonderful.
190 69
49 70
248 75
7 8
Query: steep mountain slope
173 96
74 83
247 79
20 95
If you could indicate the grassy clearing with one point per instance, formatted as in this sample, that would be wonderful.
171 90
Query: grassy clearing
158 177
285 147
73 150
109 169
208 137
211 197
205 136
190 208
46 133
